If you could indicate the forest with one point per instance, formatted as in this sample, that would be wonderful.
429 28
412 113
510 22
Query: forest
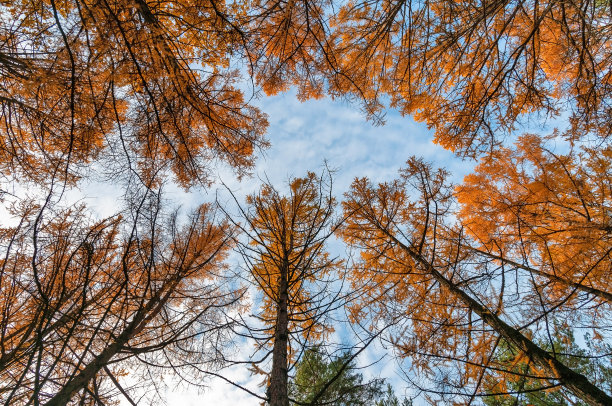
494 289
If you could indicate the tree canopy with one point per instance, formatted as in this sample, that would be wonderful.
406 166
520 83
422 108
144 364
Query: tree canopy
285 255
454 303
149 81
472 70
478 287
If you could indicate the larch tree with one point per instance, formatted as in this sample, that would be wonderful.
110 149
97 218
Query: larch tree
145 81
82 302
151 80
286 41
473 70
284 252
452 304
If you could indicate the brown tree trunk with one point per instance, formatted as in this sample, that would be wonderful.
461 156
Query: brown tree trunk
278 378
139 321
577 383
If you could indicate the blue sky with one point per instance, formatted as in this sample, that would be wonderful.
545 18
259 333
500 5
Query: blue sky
303 135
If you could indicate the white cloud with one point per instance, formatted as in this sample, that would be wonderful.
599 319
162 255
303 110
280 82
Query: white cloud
302 136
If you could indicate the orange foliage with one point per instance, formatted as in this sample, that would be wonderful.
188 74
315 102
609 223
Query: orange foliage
447 298
288 234
78 295
473 69
287 37
395 288
148 80
547 210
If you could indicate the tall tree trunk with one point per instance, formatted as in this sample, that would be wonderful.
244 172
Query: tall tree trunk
139 321
278 379
572 380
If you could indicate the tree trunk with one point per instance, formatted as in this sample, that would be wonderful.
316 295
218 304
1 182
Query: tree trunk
139 321
278 379
577 383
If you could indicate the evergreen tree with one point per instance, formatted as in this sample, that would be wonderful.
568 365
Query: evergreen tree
320 380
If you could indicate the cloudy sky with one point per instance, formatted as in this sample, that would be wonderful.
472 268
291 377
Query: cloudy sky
303 135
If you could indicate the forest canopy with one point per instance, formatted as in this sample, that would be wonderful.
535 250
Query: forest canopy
494 289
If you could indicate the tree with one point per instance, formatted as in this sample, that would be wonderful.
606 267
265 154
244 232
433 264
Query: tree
474 70
320 380
524 391
81 300
316 370
391 399
149 82
286 39
285 255
416 269
140 82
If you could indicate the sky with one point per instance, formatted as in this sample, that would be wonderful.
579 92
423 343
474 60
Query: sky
303 135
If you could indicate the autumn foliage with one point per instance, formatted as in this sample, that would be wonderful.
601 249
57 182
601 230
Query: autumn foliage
286 256
545 210
82 299
450 298
475 70
82 77
467 282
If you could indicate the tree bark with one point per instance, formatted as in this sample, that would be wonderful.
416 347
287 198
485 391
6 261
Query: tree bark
278 379
140 319
577 383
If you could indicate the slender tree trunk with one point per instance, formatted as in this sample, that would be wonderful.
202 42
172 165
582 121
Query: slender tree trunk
572 380
278 379
139 321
